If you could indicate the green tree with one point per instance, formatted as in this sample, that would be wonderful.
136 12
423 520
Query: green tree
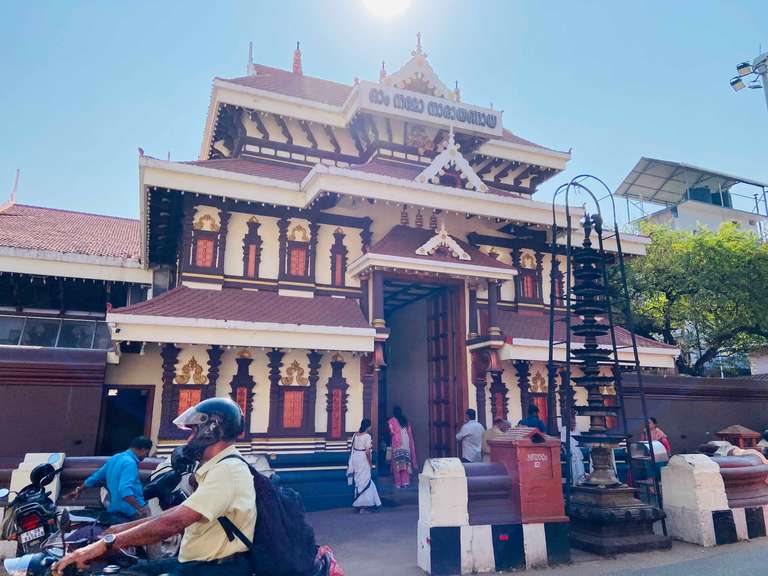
703 291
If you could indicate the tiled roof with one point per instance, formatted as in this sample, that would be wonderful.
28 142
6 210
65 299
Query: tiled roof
265 169
50 229
297 172
404 240
296 85
535 326
233 304
287 83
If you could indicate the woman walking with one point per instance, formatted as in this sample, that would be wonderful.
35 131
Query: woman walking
403 458
359 470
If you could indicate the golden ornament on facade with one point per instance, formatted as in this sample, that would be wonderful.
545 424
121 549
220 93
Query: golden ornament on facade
207 223
538 383
294 373
527 261
192 370
253 220
298 234
244 353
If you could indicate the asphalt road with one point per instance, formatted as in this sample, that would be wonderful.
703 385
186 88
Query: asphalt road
384 544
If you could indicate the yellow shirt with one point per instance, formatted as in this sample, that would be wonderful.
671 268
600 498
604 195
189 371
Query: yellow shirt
223 489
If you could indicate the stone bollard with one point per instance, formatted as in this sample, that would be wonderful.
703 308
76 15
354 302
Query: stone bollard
695 502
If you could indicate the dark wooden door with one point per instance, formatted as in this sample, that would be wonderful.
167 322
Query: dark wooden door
442 356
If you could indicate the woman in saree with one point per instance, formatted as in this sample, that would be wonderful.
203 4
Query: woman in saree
359 470
403 457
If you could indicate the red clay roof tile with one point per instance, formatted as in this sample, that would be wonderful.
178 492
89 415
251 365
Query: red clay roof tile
49 229
296 85
232 304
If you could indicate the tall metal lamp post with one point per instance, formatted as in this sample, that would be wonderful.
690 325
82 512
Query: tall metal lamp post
756 75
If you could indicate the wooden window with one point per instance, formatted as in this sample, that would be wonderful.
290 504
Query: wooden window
498 403
336 414
293 409
188 397
540 401
252 250
528 284
338 272
204 252
252 264
298 260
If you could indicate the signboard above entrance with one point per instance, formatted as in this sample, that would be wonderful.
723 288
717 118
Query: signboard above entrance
429 109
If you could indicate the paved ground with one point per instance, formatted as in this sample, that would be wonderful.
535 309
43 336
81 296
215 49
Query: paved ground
384 544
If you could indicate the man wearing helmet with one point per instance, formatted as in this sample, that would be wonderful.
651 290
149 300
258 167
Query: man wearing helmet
224 488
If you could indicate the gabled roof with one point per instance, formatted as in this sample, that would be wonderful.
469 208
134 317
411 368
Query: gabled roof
236 305
535 326
52 230
296 85
404 241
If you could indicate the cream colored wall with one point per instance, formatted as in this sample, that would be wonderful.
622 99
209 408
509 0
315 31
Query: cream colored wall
140 370
270 245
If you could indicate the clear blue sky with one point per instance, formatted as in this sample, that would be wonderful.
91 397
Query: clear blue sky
84 84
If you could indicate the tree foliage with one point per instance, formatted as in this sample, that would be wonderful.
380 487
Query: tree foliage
703 291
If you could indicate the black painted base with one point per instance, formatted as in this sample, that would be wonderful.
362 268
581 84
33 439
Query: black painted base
609 521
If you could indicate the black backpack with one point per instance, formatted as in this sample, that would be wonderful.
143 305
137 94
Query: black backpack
283 542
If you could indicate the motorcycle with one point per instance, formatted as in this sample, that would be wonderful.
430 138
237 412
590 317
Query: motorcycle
32 516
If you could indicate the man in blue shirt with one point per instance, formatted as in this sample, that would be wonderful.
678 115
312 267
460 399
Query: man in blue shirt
120 475
533 420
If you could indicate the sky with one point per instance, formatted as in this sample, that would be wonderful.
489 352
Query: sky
85 84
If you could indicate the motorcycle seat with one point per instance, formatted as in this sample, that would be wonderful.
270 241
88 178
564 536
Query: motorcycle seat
75 519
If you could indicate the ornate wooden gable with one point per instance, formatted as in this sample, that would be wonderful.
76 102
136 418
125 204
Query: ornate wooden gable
450 168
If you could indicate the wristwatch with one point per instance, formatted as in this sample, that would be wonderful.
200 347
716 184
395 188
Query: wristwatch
109 540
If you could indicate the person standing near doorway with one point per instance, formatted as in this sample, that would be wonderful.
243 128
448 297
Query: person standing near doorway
359 470
471 437
120 476
533 420
403 456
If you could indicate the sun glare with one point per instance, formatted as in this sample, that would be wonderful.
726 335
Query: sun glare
386 8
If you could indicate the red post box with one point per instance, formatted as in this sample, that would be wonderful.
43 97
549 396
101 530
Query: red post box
532 460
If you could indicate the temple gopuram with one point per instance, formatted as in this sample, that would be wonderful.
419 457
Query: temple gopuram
336 250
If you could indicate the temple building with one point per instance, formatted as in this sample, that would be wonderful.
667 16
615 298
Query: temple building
336 250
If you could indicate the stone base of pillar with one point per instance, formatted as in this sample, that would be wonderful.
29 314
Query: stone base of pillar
609 521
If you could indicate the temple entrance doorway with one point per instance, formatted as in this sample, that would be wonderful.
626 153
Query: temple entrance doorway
426 362
126 413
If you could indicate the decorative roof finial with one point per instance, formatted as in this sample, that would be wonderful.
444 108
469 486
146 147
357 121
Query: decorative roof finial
250 58
457 92
297 61
418 50
382 73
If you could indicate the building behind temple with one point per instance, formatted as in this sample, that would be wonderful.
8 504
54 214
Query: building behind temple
334 251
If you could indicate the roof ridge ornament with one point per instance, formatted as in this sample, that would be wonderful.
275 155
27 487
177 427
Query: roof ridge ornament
297 60
451 157
442 239
418 76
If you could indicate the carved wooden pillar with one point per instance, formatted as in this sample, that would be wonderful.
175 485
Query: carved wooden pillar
552 428
364 295
366 235
480 400
275 409
378 299
499 396
480 364
282 238
515 254
310 395
523 369
493 308
314 229
367 376
473 312
539 269
169 401
214 362
187 231
336 405
556 282
224 226
241 390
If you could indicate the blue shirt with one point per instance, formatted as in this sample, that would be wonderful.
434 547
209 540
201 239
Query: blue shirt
120 475
534 422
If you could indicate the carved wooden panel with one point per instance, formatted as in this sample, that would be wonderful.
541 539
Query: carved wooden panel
204 252
336 413
188 397
293 409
